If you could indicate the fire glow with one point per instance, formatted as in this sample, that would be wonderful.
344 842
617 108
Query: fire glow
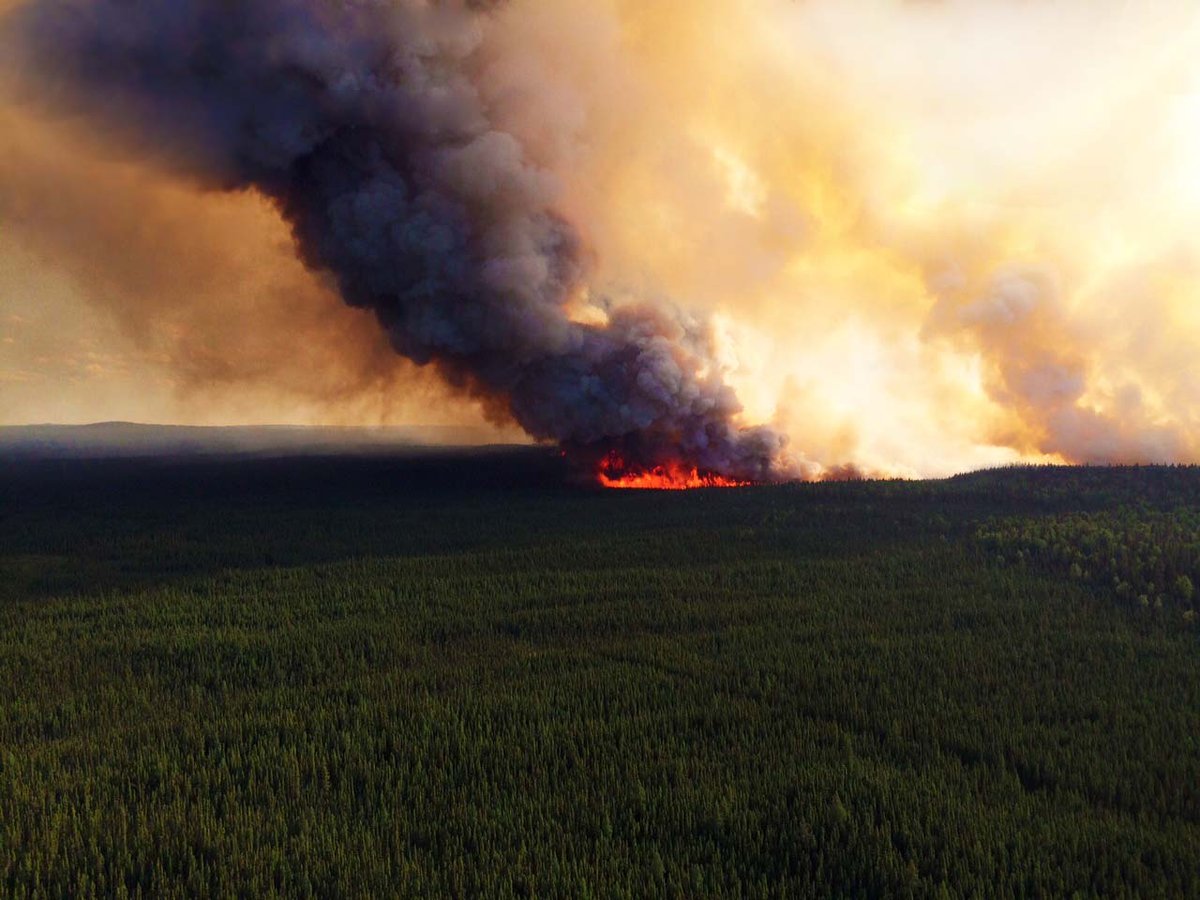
673 476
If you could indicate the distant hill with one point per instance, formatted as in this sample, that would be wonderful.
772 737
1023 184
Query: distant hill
129 439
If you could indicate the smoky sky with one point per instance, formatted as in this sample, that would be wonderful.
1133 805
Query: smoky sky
364 123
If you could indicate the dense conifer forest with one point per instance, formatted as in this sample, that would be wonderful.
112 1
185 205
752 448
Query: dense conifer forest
460 675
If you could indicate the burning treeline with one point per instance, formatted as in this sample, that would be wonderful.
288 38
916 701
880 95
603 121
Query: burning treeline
963 235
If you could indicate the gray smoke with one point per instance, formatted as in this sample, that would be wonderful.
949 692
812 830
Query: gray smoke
362 121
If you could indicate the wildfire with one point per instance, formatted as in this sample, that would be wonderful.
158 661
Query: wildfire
672 476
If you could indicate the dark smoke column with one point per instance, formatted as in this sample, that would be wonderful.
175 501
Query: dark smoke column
362 122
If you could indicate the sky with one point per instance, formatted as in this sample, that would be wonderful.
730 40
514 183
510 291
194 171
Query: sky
926 236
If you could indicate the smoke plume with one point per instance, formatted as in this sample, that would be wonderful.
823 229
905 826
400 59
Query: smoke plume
368 126
916 238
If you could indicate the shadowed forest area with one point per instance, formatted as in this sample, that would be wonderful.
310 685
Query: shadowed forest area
457 673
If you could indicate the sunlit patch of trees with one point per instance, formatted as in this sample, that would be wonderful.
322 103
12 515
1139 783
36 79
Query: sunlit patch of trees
1146 558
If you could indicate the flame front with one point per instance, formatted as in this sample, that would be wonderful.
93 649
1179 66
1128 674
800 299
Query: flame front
614 472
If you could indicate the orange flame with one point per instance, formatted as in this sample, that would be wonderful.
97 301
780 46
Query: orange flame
672 476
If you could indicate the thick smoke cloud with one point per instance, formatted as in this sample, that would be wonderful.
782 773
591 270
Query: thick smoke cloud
1017 322
963 236
365 124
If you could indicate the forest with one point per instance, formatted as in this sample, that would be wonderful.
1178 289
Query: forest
461 674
